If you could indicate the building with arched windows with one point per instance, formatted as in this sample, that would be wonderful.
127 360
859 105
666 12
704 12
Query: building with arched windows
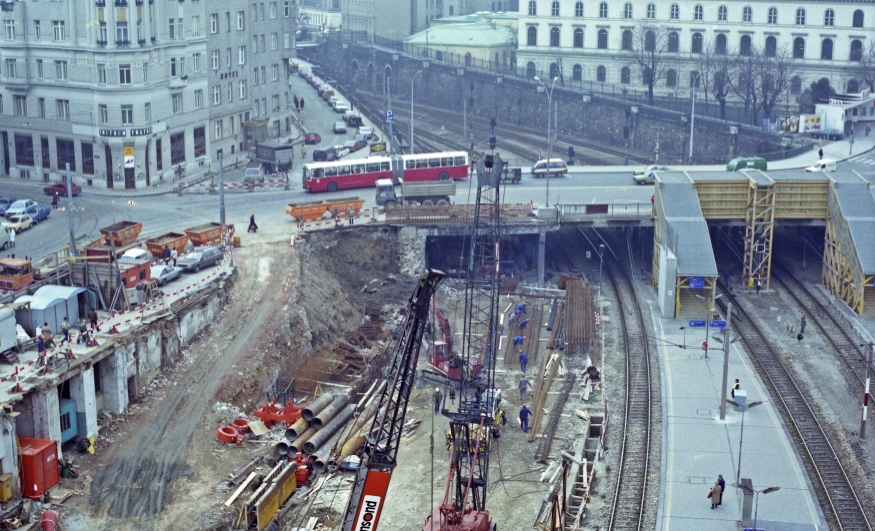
594 41
482 40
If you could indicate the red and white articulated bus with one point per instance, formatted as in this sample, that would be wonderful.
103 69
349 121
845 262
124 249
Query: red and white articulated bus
363 173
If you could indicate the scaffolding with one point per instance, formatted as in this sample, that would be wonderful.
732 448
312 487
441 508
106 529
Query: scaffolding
759 230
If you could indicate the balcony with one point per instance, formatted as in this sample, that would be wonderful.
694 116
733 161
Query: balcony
123 43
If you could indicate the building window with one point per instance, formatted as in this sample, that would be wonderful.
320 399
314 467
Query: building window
101 74
200 141
773 15
720 44
530 70
20 103
796 85
177 103
697 43
829 17
627 10
102 34
66 153
103 114
273 10
627 40
826 49
744 46
856 50
24 150
671 78
771 46
554 37
467 63
127 114
124 74
39 69
147 112
242 89
241 17
214 23
217 95
12 68
698 12
41 107
722 13
603 10
858 18
800 17
241 55
196 62
554 70
673 42
88 169
649 41
198 99
9 29
600 74
121 33
798 48
195 26
274 41
578 9
37 30
554 9
275 101
255 77
145 72
674 12
174 67
61 70
286 9
747 14
177 148
58 33
651 11
533 8
214 59
578 38
625 75
532 36
603 39
63 109
274 72
230 92
218 128
577 73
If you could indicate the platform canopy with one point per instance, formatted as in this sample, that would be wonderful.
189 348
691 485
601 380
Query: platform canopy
682 226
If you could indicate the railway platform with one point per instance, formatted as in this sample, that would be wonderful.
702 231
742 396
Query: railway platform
697 445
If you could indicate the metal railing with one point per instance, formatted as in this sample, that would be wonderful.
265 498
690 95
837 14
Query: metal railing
618 210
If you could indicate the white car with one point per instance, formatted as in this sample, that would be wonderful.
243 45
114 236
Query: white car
341 151
19 207
162 274
341 106
822 165
366 131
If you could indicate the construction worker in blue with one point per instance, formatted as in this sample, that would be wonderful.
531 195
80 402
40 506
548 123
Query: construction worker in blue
524 360
524 418
523 323
518 340
521 307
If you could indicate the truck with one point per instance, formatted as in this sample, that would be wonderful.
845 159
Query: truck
274 155
390 194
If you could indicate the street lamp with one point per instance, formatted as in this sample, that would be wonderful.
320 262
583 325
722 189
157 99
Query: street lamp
601 254
744 408
693 82
756 504
412 79
550 134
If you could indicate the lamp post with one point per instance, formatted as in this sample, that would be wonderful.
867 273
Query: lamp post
756 503
601 254
693 83
550 134
412 79
744 408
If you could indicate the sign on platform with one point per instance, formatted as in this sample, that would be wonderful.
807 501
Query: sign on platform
697 282
390 116
718 324
697 324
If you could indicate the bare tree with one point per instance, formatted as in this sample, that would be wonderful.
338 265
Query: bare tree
650 47
775 73
866 70
719 67
744 79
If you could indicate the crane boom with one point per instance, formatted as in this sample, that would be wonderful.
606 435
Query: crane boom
380 450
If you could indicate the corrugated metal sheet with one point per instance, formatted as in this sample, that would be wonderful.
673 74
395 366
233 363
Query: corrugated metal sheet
685 230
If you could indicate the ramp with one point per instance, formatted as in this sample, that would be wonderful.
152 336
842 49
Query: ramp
682 243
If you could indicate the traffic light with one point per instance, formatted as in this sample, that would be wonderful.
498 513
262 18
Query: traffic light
492 143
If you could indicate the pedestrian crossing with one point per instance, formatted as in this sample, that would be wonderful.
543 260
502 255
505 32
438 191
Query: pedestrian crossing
865 160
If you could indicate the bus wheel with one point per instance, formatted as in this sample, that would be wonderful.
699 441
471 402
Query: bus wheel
390 204
332 186
443 202
428 202
443 176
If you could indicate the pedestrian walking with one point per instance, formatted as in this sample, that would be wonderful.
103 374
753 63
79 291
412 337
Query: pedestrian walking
716 494
40 345
759 285
65 328
46 330
820 153
736 386
12 239
868 129
496 395
452 396
438 398
351 214
165 254
803 322
524 419
518 340
524 360
523 323
722 483
174 254
252 226
302 103
521 307
92 316
55 201
296 102
523 386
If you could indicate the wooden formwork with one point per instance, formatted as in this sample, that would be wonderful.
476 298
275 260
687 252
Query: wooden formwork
452 214
843 273
722 199
801 199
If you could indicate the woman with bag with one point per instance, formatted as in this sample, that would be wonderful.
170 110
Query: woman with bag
716 494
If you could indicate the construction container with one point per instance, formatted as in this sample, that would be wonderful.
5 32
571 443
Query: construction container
121 233
314 210
39 466
6 492
204 234
134 270
172 240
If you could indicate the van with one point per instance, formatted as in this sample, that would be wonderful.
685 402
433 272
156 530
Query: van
556 166
254 173
823 165
324 154
741 163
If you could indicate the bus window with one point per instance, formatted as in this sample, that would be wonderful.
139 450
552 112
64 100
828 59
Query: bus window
331 171
373 167
343 170
422 163
434 163
305 176
410 164
447 161
358 168
459 161
384 166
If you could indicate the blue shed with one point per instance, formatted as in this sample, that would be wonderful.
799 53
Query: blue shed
50 304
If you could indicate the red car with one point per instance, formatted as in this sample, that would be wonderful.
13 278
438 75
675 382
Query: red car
312 138
60 188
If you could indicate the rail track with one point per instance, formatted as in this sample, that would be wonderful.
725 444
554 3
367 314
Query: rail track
838 499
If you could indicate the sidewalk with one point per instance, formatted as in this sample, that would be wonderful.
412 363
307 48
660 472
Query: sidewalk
697 445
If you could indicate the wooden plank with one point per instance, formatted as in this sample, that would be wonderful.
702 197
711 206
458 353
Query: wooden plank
257 427
240 489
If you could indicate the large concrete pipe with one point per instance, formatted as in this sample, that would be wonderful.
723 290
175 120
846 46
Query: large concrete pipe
299 427
350 447
320 457
320 420
318 405
298 444
322 436
365 417
282 448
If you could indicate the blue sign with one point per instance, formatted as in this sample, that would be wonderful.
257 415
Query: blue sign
697 282
718 324
697 324
390 116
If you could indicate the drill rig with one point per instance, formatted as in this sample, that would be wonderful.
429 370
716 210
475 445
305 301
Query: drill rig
381 447
470 436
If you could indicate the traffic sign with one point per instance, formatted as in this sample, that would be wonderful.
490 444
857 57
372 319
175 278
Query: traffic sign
697 282
697 324
390 116
718 324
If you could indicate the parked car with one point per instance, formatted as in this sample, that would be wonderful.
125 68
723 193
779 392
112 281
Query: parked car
254 173
354 145
828 134
19 207
822 165
647 175
5 202
60 188
740 163
341 106
557 167
339 128
162 274
19 222
341 151
39 213
352 119
366 131
199 258
312 138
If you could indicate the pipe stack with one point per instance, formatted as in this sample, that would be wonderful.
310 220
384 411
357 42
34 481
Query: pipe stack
352 444
320 420
318 405
321 437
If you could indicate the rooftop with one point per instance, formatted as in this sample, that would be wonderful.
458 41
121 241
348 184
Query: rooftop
467 34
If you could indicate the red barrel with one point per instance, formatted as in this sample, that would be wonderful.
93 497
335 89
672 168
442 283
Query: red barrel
241 425
48 521
302 475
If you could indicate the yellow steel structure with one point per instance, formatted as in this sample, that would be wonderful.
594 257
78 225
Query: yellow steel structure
759 230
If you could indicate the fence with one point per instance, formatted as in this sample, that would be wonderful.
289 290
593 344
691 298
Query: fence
590 211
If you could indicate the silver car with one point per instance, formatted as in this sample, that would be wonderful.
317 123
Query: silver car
162 274
199 258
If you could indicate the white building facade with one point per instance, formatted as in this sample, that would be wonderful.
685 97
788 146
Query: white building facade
593 41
